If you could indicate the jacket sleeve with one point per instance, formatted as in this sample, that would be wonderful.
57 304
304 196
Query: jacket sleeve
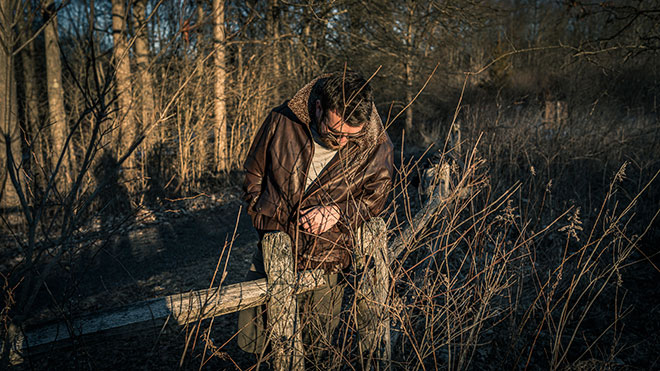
376 188
255 163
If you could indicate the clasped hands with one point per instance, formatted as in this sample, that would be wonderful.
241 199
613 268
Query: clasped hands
319 219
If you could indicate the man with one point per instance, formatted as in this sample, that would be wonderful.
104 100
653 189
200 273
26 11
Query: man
320 166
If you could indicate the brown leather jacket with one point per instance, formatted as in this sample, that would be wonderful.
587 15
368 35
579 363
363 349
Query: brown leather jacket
357 180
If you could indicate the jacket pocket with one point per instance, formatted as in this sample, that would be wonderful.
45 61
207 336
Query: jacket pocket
265 205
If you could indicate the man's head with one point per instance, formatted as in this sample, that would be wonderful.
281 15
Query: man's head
343 109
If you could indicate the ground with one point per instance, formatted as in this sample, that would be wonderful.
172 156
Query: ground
175 249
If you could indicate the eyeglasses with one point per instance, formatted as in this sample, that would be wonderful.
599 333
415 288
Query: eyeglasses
337 135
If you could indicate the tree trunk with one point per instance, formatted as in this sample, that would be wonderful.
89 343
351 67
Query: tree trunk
124 131
35 138
240 73
145 90
31 96
56 113
203 142
355 21
201 18
409 95
408 68
219 102
9 130
273 29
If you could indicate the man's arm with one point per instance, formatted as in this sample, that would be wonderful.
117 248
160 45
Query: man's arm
355 211
375 189
255 163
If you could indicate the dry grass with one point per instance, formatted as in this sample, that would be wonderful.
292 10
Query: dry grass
517 275
526 269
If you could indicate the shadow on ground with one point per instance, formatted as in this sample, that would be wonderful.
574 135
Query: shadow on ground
176 251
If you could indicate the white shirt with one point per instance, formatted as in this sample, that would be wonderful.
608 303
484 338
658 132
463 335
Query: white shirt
322 157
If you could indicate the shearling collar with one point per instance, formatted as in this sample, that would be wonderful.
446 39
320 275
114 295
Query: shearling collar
302 105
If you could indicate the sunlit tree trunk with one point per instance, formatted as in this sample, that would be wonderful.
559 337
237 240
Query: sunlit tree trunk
201 45
306 44
9 130
56 113
201 18
124 126
309 42
273 29
144 89
202 142
219 102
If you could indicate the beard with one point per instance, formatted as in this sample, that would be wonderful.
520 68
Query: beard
327 140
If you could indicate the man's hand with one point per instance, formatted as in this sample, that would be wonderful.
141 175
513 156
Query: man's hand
319 219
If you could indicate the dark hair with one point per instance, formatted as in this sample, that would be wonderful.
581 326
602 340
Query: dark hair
349 95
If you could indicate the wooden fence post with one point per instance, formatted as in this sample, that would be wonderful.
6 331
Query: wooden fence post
283 323
372 293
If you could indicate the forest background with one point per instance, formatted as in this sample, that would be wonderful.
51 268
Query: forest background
111 109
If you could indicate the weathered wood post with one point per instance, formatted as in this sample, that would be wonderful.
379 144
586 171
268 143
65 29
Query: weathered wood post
555 114
455 140
372 293
283 322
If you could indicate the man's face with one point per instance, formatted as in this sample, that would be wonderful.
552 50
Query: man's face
334 132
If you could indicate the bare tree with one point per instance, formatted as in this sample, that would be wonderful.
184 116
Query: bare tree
408 59
273 29
220 72
631 26
400 31
124 129
10 145
30 87
144 89
57 114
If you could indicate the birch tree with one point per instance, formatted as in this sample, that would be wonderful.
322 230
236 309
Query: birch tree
219 101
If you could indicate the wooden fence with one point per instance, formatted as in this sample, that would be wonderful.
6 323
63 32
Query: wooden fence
278 291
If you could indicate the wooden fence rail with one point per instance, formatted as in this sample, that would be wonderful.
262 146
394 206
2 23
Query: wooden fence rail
183 308
193 306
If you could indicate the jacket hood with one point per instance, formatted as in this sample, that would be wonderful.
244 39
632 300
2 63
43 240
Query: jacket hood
302 106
